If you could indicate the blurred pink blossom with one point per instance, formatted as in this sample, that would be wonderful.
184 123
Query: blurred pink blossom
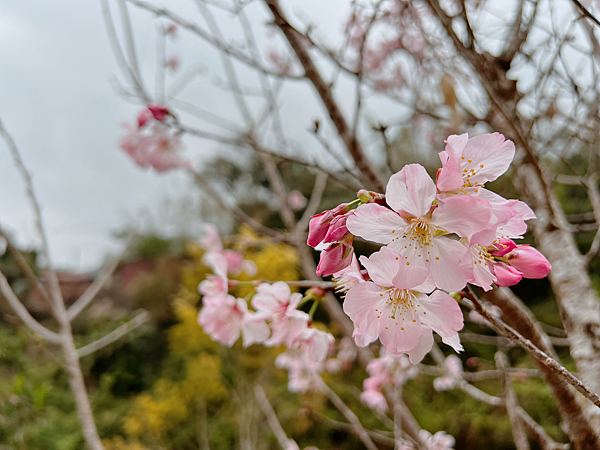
296 200
174 62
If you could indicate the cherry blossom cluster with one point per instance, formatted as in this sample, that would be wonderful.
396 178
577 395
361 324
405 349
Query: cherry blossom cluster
274 321
436 237
387 372
438 441
151 143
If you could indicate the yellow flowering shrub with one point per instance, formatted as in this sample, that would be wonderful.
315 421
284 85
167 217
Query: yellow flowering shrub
154 414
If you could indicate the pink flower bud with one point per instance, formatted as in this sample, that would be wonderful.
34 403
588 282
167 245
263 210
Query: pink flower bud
506 275
174 62
159 112
337 230
318 291
335 258
528 261
143 117
319 224
172 29
473 361
502 248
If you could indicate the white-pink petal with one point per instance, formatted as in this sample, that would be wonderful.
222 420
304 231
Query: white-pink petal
442 313
425 344
411 191
375 223
382 266
463 215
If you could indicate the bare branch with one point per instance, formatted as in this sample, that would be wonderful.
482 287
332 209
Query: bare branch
12 147
90 293
269 413
352 144
510 401
471 302
114 335
24 315
591 184
27 271
236 212
337 425
222 46
314 202
349 415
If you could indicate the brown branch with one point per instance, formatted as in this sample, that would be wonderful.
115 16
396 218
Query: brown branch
269 413
510 401
349 415
92 291
337 425
470 301
297 42
591 184
27 271
236 212
313 203
219 45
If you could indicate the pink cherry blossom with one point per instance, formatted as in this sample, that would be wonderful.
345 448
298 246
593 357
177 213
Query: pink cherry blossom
143 117
374 399
215 287
224 320
394 307
275 303
386 371
211 241
154 147
514 262
236 264
470 163
439 441
296 200
453 372
417 230
304 359
329 234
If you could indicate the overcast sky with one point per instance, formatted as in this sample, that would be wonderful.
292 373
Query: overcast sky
57 101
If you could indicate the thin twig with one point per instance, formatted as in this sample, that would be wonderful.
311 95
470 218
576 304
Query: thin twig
27 271
349 415
313 203
114 335
269 413
510 401
90 293
336 424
